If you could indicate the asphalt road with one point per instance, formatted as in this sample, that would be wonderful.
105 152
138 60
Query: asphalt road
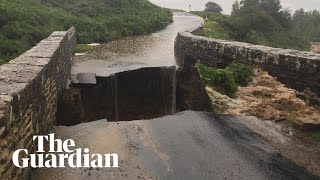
187 145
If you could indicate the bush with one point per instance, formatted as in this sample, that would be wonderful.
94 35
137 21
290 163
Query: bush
242 73
23 23
220 79
226 80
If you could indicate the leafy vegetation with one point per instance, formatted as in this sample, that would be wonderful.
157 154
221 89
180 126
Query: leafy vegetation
264 22
23 23
242 73
213 7
226 80
307 24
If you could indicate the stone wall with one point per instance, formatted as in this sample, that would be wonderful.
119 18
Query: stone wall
29 89
296 69
191 92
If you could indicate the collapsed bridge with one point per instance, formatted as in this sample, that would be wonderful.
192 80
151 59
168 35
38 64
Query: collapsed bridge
35 92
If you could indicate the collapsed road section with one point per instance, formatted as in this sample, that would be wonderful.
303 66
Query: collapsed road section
142 93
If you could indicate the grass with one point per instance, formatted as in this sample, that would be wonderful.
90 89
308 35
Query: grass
82 48
212 28
226 80
23 23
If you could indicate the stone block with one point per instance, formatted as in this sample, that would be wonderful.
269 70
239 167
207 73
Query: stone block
29 88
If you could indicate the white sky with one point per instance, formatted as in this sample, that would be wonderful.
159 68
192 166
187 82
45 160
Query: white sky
226 4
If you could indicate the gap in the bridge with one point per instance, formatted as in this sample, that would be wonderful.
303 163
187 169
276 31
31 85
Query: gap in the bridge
144 93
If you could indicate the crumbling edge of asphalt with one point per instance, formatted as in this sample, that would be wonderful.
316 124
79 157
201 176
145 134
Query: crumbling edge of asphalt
302 153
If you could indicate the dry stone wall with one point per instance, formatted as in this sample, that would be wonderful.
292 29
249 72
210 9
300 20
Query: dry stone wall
296 69
29 89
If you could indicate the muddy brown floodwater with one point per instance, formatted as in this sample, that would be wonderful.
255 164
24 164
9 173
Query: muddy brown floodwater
315 47
268 99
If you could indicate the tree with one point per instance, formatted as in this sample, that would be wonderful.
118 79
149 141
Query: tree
307 24
246 4
213 7
235 8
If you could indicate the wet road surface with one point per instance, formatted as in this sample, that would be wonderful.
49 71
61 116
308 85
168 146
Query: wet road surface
132 53
188 145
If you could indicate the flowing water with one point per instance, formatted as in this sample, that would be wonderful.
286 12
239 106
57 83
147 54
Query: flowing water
131 53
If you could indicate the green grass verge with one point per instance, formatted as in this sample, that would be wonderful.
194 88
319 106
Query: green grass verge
212 28
226 80
82 48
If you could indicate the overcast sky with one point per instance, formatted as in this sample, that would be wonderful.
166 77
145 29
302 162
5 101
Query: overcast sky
226 4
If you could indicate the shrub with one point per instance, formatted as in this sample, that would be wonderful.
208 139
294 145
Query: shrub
221 80
242 73
226 80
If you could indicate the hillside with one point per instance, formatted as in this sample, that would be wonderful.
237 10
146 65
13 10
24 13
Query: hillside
23 23
263 22
228 27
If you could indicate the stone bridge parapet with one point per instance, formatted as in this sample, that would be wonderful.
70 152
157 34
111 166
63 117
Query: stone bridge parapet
296 69
29 89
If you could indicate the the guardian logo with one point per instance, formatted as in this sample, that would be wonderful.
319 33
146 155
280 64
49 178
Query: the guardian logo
61 153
